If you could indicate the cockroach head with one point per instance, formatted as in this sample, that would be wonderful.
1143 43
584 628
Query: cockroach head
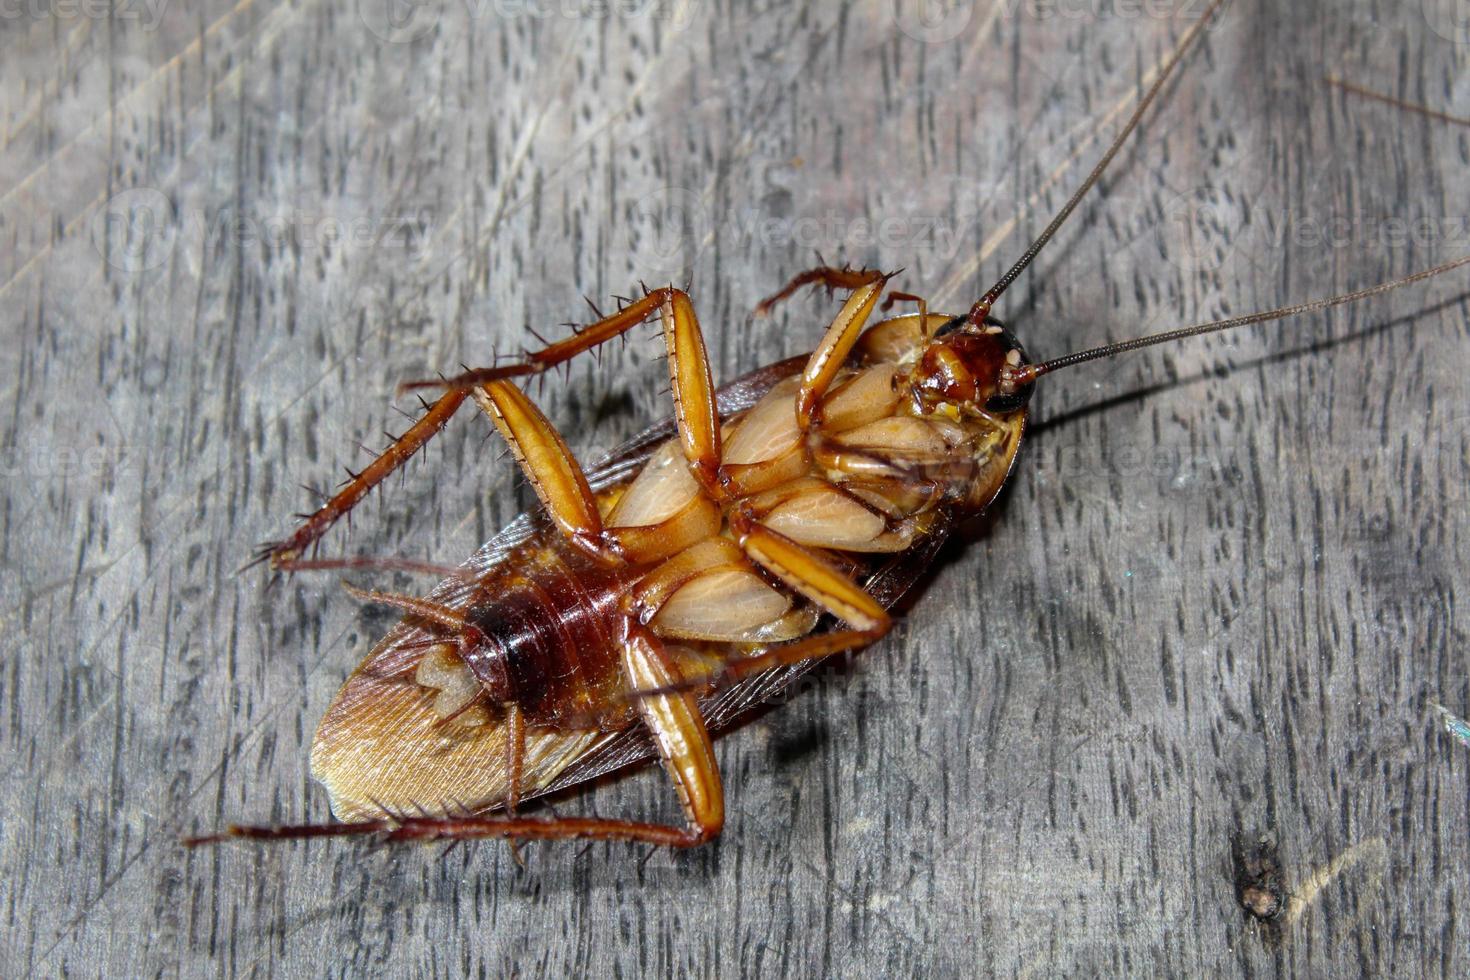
972 366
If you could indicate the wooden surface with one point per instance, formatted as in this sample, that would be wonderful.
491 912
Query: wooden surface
1222 597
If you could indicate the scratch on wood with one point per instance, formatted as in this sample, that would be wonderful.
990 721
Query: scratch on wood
1373 849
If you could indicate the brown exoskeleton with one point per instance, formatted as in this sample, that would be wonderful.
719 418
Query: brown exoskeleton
676 585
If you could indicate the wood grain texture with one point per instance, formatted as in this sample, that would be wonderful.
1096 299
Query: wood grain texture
1221 596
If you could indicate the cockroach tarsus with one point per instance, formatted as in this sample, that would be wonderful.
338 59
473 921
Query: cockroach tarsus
670 589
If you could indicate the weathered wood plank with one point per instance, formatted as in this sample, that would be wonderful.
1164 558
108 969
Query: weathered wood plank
1220 598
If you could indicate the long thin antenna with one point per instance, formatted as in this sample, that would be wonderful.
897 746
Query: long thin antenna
981 310
1397 103
1026 373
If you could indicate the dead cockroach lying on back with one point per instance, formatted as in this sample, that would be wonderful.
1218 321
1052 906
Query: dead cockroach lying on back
689 577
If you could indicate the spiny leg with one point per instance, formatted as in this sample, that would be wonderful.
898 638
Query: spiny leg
285 555
554 472
515 766
375 563
695 412
683 745
822 275
554 354
822 367
548 464
894 296
692 387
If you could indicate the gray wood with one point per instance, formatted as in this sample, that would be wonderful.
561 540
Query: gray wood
1221 596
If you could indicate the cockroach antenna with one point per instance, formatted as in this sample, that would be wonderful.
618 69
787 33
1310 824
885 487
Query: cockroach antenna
1017 376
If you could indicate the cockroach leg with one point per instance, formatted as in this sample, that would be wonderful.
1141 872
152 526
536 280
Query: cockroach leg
434 612
825 275
354 563
542 452
285 555
894 296
554 472
695 413
679 733
548 464
807 573
739 668
810 648
827 360
398 829
515 764
554 354
688 367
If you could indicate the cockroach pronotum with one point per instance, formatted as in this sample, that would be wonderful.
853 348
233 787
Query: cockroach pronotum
770 524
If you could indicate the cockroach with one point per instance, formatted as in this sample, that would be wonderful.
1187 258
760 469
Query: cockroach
693 574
